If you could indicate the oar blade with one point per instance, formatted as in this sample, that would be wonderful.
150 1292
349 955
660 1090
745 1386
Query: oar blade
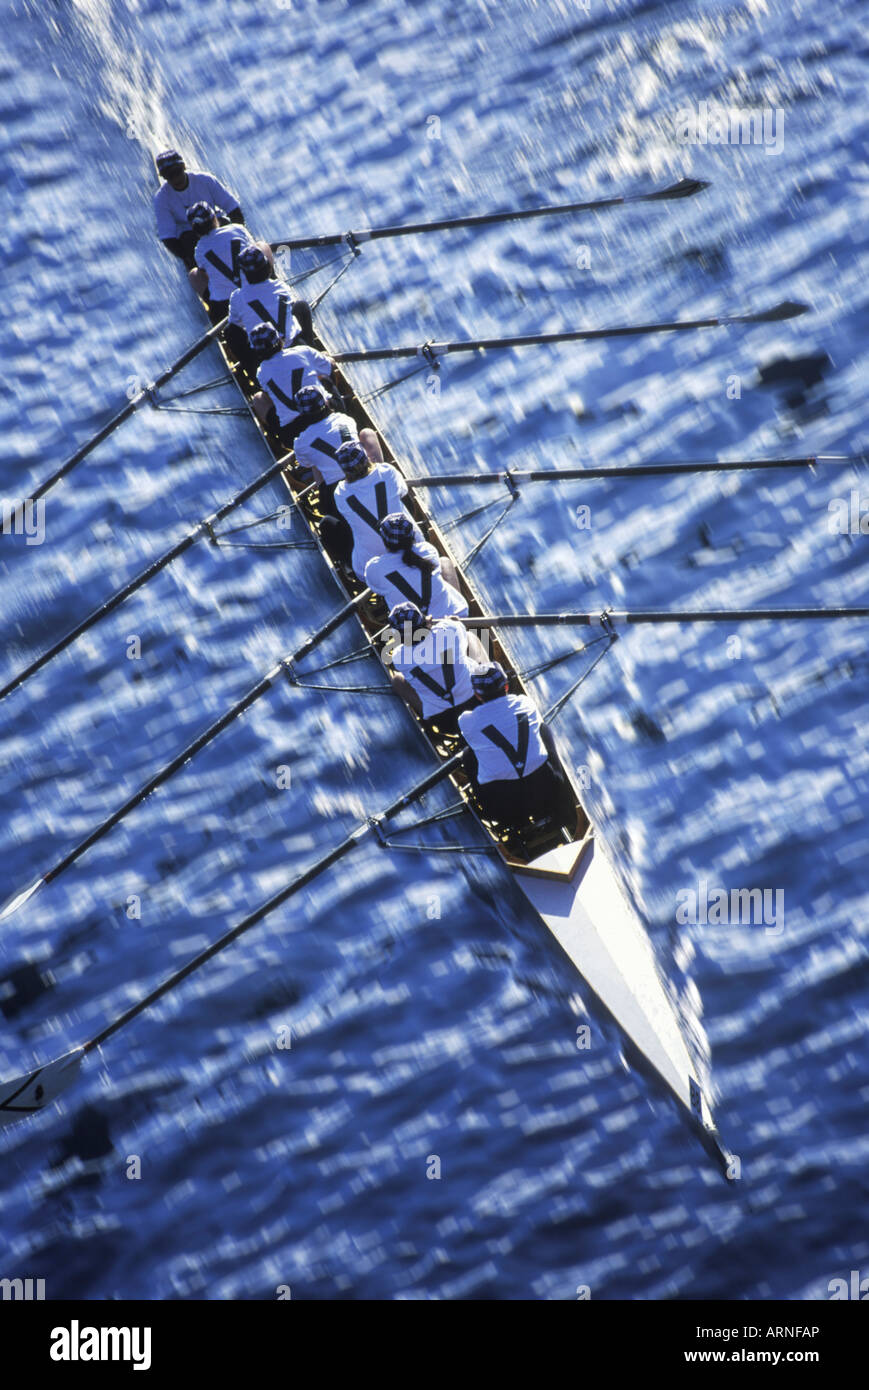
788 309
39 1088
20 899
685 188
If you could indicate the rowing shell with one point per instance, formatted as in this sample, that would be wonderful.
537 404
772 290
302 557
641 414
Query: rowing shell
563 870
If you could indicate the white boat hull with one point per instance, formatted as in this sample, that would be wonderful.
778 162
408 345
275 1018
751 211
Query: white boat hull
575 890
27 1094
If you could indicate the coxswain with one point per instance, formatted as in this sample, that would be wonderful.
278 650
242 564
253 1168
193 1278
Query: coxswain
217 273
516 777
409 569
433 666
262 298
174 198
370 491
281 374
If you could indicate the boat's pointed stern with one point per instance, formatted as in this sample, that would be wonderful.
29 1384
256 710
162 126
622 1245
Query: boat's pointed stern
575 890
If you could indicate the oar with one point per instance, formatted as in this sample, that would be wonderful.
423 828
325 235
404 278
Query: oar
700 615
639 470
122 415
38 1088
203 528
189 752
786 310
685 188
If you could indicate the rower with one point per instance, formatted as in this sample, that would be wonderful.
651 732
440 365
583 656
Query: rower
411 570
281 374
517 775
371 490
322 431
433 667
175 197
217 272
262 298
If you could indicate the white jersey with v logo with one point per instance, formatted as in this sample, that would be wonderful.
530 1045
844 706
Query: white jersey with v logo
285 372
268 302
317 445
437 667
504 736
387 574
217 254
364 504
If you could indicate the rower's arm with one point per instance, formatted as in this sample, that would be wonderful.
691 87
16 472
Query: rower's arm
476 651
223 197
182 247
448 571
407 693
548 741
235 339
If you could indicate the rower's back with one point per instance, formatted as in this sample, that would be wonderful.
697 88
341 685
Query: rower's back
284 374
217 253
317 445
264 301
397 579
364 503
505 737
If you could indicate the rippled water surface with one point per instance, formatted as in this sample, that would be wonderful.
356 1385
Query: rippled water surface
429 1013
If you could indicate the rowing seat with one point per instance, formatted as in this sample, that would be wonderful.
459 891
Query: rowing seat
374 611
533 837
312 502
445 742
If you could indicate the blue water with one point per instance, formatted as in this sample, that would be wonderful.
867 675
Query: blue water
416 1034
